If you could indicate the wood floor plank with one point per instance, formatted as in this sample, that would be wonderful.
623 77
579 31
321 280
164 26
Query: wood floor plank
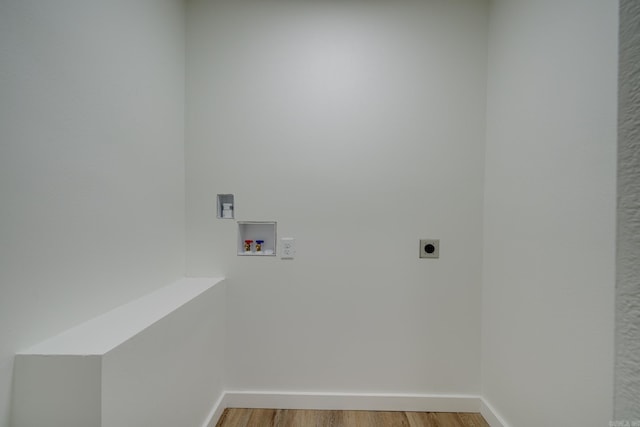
330 418
262 417
357 419
472 420
314 418
234 418
420 419
311 418
446 419
374 419
398 419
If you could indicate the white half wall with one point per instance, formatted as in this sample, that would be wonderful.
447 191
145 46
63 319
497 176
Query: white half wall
172 373
91 162
359 128
155 361
549 233
627 381
57 391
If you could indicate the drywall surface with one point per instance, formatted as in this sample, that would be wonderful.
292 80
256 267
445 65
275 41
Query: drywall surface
170 374
549 234
57 391
627 383
109 330
154 361
359 128
91 162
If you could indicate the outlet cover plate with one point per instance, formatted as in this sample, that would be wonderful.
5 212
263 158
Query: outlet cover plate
287 248
429 248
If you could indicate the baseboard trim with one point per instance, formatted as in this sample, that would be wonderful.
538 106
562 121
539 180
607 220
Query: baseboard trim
354 401
216 412
490 415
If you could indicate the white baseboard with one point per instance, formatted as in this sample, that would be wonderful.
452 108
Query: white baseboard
216 412
343 401
490 415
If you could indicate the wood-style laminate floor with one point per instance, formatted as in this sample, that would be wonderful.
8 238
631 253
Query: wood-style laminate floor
311 418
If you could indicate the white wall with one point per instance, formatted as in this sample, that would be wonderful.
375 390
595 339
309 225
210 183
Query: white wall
334 119
64 390
157 360
359 127
91 162
627 384
549 233
170 374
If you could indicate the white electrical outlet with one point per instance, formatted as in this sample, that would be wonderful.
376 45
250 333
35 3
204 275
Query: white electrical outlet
287 248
